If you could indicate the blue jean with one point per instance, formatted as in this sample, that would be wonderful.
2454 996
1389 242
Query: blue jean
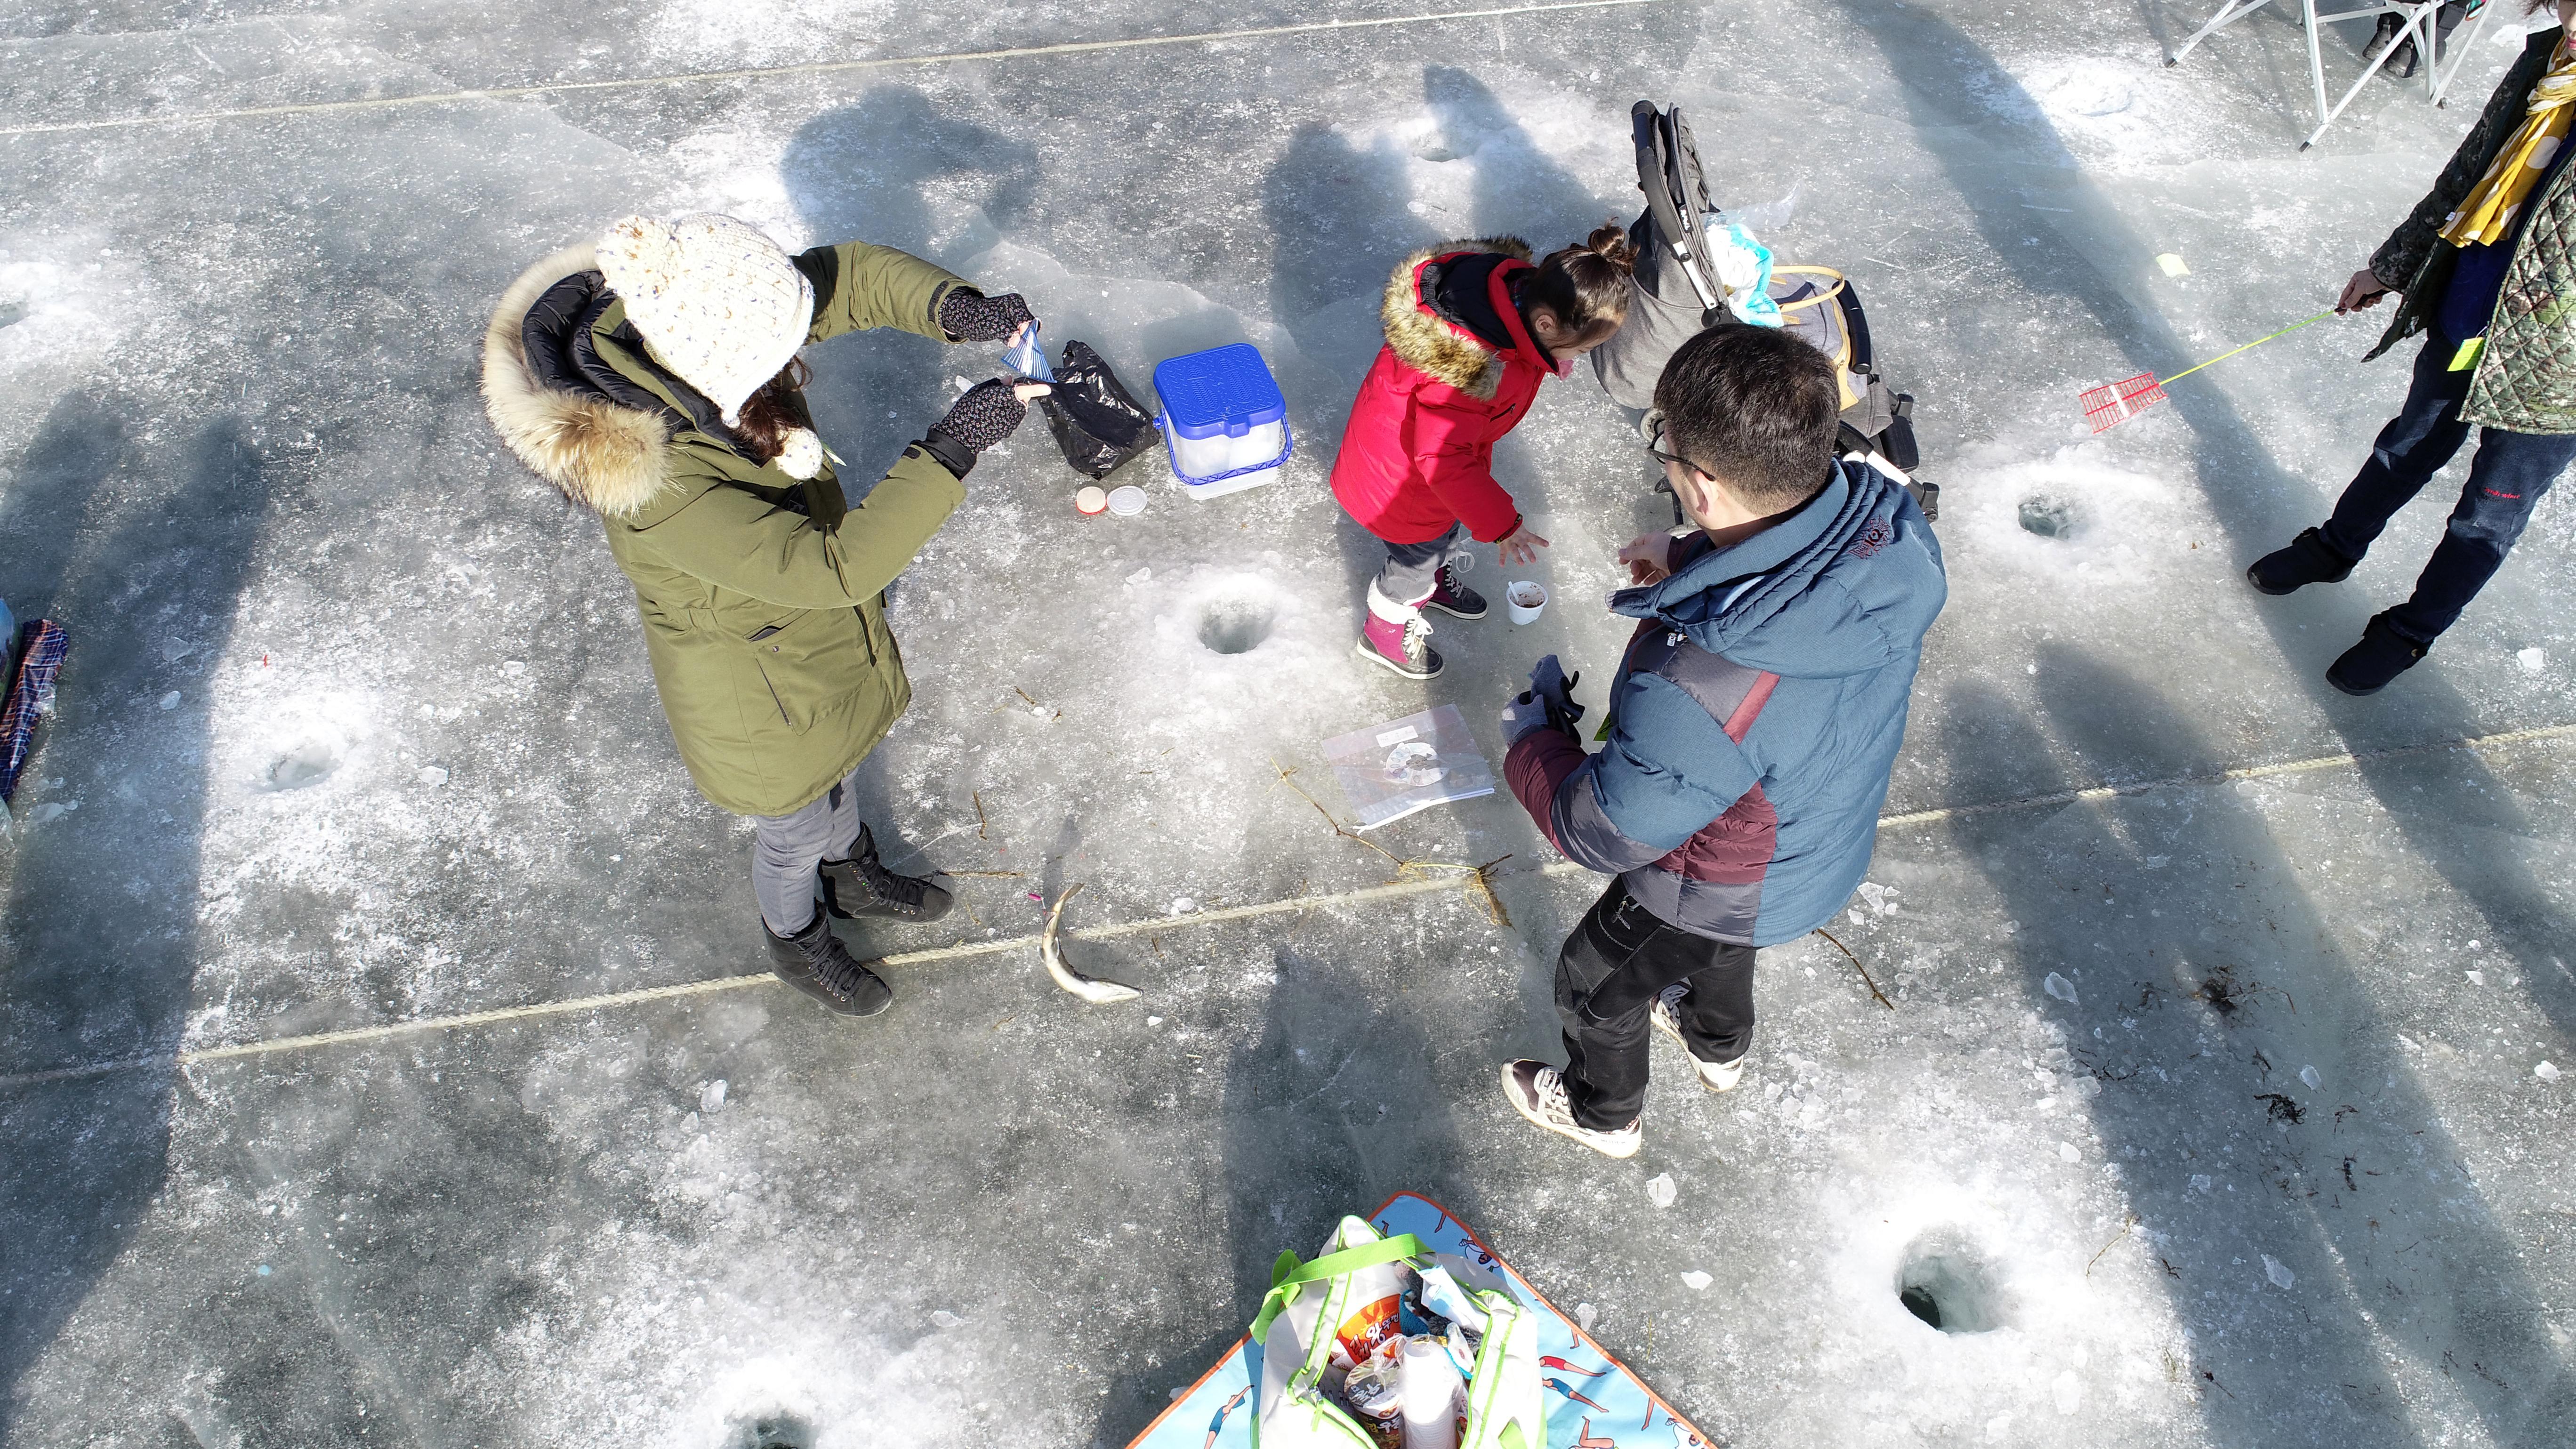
2508 474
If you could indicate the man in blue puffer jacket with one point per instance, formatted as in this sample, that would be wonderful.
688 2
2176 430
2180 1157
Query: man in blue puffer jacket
1752 728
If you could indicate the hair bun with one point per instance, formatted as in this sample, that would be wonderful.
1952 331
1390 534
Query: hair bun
1610 243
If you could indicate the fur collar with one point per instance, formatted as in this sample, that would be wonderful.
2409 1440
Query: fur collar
1425 343
607 458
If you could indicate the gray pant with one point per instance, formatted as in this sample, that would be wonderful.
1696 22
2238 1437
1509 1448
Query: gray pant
1412 571
787 850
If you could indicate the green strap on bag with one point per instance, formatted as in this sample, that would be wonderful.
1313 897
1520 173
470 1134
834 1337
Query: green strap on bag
1288 1276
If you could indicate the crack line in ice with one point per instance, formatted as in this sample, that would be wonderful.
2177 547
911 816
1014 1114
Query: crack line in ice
2242 772
818 67
1202 917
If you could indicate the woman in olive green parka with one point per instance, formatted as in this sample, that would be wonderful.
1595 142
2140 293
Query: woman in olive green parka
652 378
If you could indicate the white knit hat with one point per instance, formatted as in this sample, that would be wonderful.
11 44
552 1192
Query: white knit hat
717 302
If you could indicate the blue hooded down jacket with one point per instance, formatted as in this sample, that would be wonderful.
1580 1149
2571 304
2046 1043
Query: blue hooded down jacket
1754 720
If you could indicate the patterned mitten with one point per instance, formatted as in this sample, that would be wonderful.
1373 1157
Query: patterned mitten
973 317
984 415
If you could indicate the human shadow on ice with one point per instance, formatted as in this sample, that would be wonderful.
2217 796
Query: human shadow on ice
1338 1104
1970 114
2223 985
867 172
1520 189
1341 220
101 943
894 169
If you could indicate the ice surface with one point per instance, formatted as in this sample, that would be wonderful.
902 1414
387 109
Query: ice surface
241 452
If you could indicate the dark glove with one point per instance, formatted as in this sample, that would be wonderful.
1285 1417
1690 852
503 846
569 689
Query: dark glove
1551 686
1523 716
984 415
974 317
1547 704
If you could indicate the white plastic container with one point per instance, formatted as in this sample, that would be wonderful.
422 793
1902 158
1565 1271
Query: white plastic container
1223 419
1430 1388
1525 599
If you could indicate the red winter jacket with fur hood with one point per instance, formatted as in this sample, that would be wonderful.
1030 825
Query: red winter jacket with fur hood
1459 370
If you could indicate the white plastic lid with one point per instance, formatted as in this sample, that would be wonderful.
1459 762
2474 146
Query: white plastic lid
1128 501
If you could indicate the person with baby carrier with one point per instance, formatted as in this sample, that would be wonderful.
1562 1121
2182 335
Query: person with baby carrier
1694 269
1472 328
2484 266
1752 727
653 378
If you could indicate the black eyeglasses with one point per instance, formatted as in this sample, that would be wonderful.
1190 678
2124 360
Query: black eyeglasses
1661 456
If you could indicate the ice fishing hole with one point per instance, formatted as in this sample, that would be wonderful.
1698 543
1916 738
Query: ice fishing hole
307 764
1235 622
2048 517
771 1431
1948 1284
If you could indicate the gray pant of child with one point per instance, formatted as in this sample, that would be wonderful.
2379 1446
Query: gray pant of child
787 850
1412 571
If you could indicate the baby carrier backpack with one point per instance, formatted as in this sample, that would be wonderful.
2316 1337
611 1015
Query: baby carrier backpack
1678 292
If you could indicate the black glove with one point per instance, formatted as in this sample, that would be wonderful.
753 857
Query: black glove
984 415
974 317
1554 688
1548 704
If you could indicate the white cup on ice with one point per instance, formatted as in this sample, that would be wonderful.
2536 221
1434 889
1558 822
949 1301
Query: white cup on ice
1525 598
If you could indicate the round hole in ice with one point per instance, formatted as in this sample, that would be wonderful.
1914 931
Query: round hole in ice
1235 621
307 764
771 1431
2048 517
1945 1281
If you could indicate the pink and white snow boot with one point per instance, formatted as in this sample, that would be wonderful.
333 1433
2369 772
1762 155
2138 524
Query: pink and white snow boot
1397 638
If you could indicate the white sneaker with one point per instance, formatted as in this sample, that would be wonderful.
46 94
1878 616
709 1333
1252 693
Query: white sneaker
1716 1076
1537 1091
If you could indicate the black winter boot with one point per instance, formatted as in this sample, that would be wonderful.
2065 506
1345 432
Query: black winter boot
815 962
2308 560
860 886
2382 655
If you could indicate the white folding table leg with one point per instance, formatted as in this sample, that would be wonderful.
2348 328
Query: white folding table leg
2418 24
2438 77
2228 14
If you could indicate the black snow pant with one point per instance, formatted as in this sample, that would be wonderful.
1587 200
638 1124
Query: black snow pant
1607 978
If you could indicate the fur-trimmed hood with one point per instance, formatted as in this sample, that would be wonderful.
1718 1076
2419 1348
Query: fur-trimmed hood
606 457
1426 342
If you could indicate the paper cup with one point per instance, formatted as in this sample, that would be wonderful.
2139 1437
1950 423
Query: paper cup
1526 599
1127 502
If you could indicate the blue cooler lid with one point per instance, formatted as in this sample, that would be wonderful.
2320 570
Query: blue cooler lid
1222 390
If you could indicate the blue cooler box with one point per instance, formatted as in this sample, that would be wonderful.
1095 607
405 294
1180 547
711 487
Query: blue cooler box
1223 419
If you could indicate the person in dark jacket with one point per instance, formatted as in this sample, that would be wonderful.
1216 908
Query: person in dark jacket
1753 725
1472 329
2486 263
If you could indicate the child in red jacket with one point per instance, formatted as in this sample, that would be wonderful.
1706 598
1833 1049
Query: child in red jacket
1471 329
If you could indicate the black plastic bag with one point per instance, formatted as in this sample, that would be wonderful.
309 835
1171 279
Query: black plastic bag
1095 422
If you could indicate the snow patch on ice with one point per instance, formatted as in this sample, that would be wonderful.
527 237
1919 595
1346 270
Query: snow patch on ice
703 33
2111 113
2123 528
2004 1261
